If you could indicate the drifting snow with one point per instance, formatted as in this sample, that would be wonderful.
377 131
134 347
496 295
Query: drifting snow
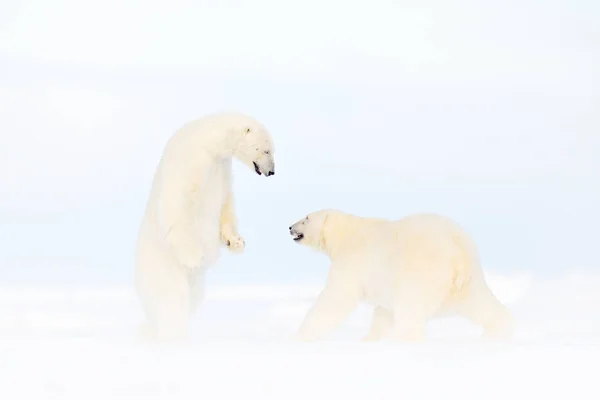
78 343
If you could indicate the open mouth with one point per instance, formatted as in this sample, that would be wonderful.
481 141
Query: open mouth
298 237
256 168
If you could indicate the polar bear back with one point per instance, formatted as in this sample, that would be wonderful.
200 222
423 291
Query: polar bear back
430 251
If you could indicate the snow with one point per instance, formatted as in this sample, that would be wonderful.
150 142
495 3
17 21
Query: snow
79 343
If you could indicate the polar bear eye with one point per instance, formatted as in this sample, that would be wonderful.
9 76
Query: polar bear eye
247 130
267 151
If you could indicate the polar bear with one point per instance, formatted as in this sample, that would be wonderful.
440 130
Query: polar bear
190 214
410 270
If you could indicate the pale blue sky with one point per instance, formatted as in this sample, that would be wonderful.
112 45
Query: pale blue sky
486 113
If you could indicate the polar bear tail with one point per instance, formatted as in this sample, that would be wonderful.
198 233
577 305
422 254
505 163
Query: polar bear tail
461 275
466 263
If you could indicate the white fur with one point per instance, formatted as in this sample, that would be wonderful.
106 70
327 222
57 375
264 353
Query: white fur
410 270
190 214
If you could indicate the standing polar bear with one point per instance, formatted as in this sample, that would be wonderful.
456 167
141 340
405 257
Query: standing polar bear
410 270
190 214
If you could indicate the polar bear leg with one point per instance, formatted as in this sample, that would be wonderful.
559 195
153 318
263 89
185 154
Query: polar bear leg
146 331
485 310
173 315
168 306
382 322
333 305
414 305
196 284
408 325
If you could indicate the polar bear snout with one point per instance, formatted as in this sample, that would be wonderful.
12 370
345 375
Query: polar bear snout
267 170
296 235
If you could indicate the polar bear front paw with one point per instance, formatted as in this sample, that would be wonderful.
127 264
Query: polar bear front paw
235 244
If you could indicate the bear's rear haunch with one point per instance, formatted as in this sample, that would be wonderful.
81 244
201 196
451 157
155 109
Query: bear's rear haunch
410 270
190 214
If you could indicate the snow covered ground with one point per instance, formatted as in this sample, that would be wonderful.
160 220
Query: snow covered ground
78 343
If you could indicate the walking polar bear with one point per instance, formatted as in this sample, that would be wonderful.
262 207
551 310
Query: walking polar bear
409 269
190 214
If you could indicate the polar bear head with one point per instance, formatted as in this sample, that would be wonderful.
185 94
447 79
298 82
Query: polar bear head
329 230
312 230
255 146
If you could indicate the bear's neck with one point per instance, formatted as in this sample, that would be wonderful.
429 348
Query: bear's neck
219 142
334 239
343 231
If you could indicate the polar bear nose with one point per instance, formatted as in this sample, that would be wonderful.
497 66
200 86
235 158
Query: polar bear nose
270 173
